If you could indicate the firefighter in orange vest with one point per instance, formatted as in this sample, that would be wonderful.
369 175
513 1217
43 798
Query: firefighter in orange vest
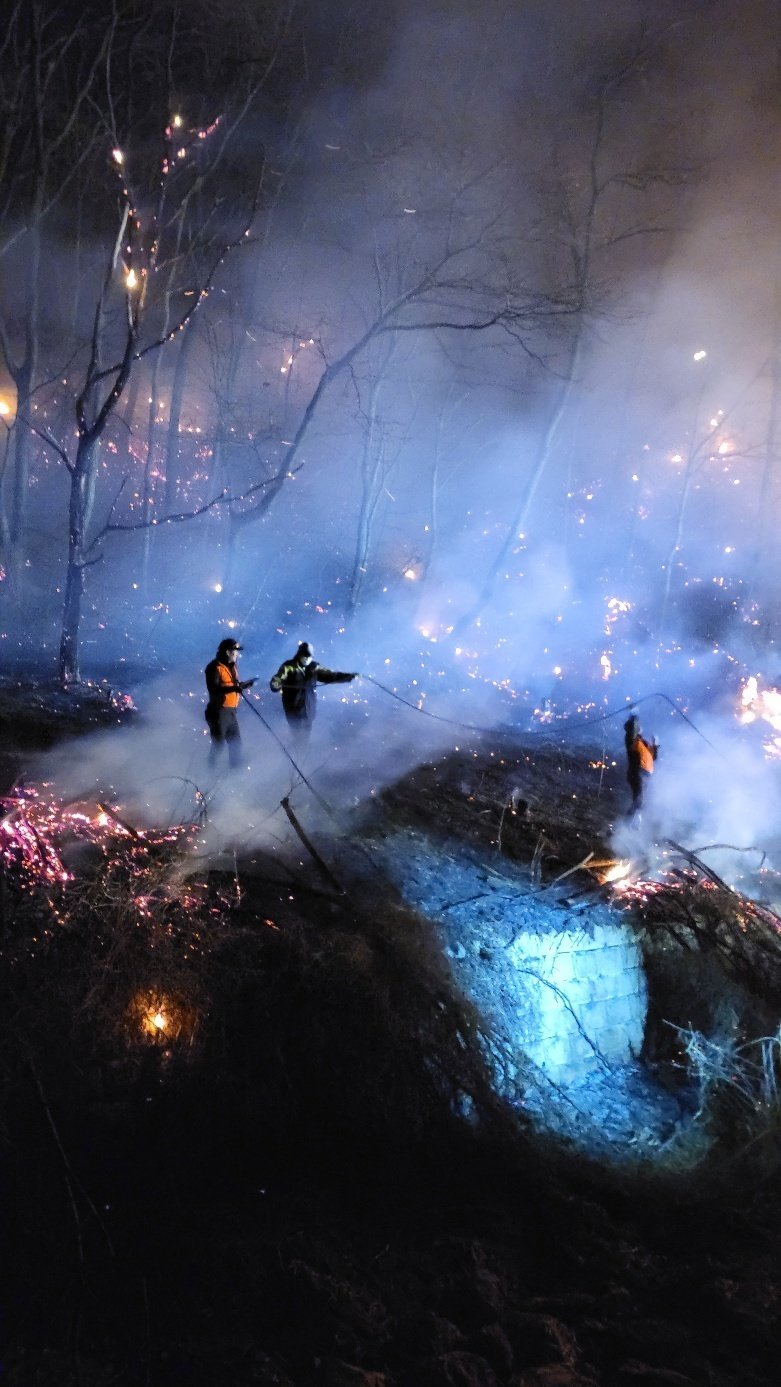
640 758
225 688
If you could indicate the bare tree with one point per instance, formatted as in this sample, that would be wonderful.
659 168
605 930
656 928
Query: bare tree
585 219
50 72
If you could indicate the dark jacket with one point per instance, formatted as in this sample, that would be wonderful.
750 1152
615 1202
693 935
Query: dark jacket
298 682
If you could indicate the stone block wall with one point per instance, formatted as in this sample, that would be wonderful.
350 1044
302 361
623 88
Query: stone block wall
582 998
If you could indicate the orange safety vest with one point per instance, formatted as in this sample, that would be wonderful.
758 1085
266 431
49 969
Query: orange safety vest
230 700
645 755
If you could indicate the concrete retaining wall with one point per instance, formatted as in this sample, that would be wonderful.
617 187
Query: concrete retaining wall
582 995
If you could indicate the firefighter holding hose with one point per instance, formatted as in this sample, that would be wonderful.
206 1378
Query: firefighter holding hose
225 689
640 757
297 680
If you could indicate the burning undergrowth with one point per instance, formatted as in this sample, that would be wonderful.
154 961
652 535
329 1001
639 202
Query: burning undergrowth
628 1004
122 919
131 952
593 986
184 1046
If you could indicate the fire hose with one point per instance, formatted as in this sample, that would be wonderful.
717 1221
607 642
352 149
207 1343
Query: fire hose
542 731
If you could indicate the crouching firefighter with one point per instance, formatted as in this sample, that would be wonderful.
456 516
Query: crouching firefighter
297 681
640 758
224 689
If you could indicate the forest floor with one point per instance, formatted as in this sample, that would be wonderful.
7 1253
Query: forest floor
314 1181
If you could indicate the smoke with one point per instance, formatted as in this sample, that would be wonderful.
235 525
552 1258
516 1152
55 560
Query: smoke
456 152
714 791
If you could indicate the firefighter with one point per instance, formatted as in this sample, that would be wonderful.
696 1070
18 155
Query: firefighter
640 758
297 681
225 688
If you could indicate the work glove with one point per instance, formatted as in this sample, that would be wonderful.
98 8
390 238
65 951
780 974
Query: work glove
246 683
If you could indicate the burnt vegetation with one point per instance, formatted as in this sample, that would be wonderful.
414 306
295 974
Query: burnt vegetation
250 1129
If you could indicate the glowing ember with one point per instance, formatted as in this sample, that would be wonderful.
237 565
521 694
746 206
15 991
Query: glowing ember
35 831
764 705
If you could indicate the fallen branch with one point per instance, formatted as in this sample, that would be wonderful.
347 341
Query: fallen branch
311 849
112 814
569 872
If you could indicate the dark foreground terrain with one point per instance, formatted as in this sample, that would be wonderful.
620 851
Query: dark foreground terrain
249 1137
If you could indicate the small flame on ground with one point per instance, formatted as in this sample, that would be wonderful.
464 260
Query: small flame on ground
618 872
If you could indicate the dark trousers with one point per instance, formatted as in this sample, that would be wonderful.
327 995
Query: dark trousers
638 781
300 727
225 732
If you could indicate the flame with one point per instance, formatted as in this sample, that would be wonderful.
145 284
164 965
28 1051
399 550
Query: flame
131 279
618 872
162 1017
765 705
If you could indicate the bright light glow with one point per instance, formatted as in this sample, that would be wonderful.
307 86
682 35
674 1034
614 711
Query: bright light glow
764 704
117 156
218 587
5 408
619 871
131 280
700 355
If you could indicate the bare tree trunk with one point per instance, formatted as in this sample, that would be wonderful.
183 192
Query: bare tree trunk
766 549
675 548
5 534
130 413
149 468
173 441
79 509
372 473
693 458
521 515
24 376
